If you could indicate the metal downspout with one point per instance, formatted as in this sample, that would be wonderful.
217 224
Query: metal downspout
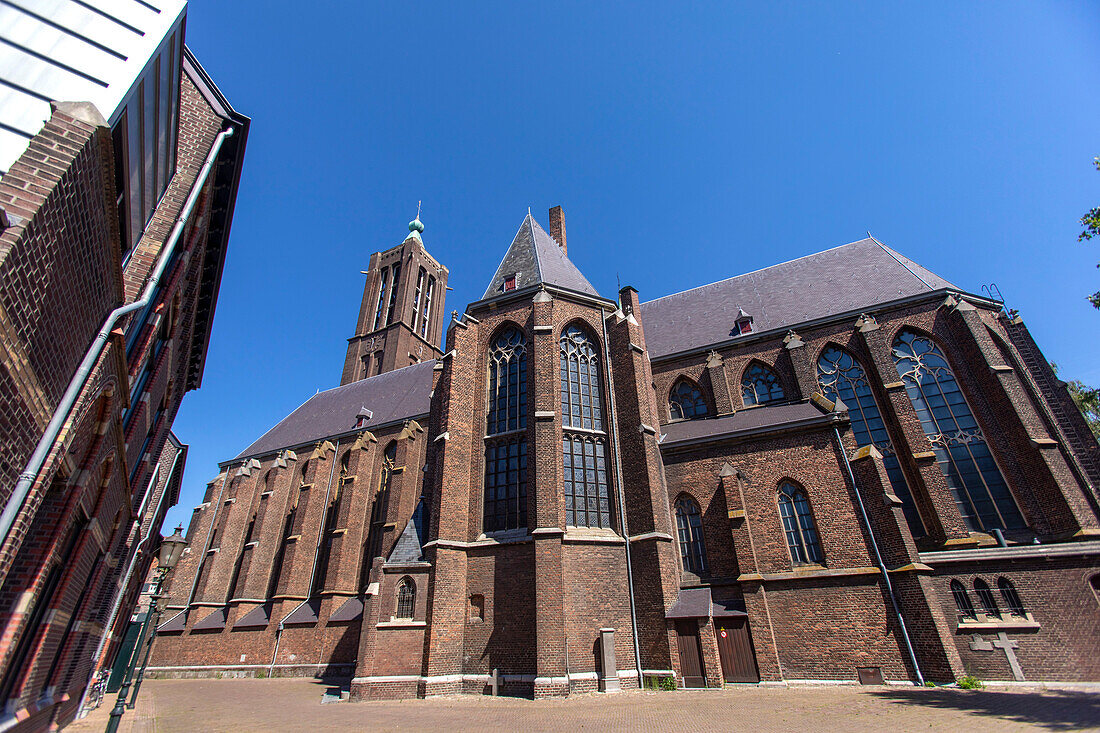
622 502
117 603
878 559
30 473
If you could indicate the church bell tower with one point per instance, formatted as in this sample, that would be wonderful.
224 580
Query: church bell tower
401 316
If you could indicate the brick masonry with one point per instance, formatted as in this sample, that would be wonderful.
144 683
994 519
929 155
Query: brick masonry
528 604
61 274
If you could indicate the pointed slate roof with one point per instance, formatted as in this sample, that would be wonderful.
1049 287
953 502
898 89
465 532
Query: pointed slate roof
851 277
535 258
408 547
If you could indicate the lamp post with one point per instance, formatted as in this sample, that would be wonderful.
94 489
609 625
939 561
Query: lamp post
169 553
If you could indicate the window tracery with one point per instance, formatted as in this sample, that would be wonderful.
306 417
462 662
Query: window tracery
760 385
975 482
842 377
685 401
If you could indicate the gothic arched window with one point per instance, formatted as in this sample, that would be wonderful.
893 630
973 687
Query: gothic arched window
580 381
972 475
798 525
685 401
842 377
962 602
505 505
507 383
760 385
985 597
406 599
1011 598
689 527
584 455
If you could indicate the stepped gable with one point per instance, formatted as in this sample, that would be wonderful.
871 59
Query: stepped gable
851 277
534 258
402 393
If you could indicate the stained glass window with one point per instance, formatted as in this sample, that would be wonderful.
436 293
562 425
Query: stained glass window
686 401
760 385
972 475
842 377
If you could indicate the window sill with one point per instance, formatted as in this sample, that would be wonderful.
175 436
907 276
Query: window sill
503 537
989 623
592 535
401 624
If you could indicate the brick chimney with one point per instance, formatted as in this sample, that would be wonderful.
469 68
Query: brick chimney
557 227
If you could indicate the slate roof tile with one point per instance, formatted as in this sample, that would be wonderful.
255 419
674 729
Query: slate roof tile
534 257
391 396
846 278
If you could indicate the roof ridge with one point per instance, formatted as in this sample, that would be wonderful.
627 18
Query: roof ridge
760 269
534 245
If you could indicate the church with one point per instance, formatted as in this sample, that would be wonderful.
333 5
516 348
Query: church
843 468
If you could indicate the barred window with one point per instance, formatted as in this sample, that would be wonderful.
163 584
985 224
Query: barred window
506 484
686 401
842 377
1011 598
586 495
689 527
760 385
507 383
406 599
972 475
383 282
798 525
985 597
963 605
580 381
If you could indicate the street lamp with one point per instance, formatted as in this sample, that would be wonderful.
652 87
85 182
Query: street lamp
167 556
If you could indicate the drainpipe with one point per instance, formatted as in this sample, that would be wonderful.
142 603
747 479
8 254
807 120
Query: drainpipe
117 604
878 559
614 439
34 466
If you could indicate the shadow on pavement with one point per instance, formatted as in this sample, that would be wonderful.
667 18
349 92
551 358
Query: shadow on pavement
1055 710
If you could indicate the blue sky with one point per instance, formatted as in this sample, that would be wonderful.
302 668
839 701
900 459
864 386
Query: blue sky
687 142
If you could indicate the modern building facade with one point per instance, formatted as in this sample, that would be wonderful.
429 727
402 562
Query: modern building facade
842 468
120 162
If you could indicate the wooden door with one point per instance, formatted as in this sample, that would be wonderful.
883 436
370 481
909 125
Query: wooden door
735 650
691 654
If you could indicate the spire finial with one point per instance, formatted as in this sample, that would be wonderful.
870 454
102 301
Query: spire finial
416 226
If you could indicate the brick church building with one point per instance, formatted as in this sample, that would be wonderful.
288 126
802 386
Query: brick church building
839 468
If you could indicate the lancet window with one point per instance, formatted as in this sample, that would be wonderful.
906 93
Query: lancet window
842 377
584 442
689 528
799 525
686 401
505 503
972 475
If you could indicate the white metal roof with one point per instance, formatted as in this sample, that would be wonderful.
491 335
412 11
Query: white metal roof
73 51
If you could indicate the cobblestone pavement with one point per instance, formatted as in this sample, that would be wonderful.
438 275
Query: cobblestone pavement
242 705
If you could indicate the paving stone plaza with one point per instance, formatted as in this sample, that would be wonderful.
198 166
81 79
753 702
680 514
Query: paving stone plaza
295 704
